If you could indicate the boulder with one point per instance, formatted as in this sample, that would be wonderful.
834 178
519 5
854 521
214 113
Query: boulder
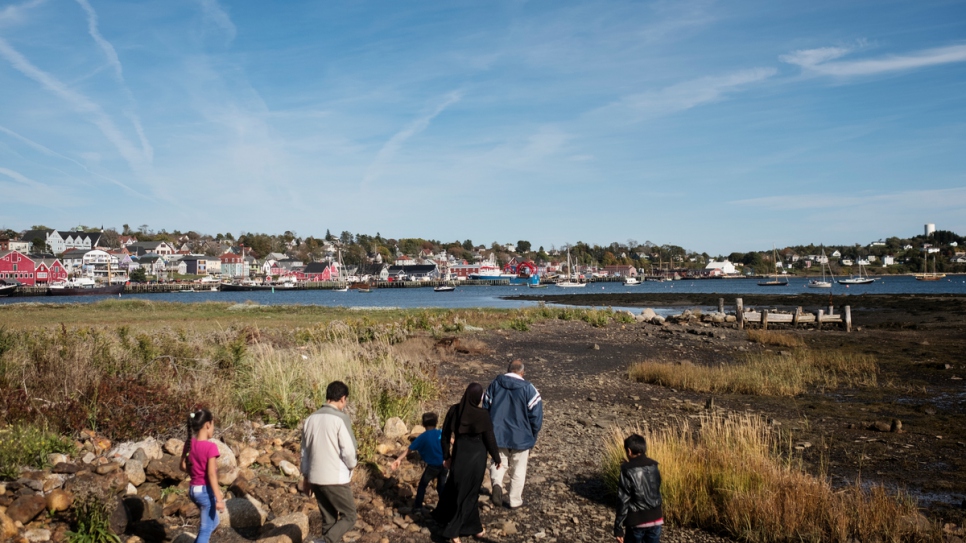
416 431
119 518
185 537
53 481
880 426
294 527
283 455
247 457
26 508
141 456
56 458
242 513
289 469
226 458
124 451
105 469
647 314
134 470
102 486
59 500
8 529
168 469
174 447
395 428
227 476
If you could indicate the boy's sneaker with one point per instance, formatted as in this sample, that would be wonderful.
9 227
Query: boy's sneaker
496 495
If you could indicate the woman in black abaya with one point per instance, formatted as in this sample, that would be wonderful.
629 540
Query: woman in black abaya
470 428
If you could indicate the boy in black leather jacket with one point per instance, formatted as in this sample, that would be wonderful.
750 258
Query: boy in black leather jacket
639 496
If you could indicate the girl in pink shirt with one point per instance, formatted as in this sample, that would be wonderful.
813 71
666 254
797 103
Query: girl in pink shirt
200 460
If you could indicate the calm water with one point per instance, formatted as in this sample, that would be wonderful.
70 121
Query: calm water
475 296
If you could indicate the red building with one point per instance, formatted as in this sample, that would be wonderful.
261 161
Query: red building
49 270
17 267
320 271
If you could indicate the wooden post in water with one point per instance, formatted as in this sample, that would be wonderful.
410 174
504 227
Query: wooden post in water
830 310
848 318
795 317
818 319
721 305
764 319
740 313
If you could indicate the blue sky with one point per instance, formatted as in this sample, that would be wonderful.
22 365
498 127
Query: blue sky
717 126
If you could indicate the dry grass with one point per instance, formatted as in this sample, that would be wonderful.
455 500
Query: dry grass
729 475
777 339
767 374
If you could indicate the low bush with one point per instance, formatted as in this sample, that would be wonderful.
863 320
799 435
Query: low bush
769 374
778 339
92 522
729 475
29 446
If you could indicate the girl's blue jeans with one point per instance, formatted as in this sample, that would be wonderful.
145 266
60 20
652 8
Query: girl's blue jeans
204 498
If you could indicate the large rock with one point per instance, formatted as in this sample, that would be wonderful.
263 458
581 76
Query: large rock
174 447
56 458
59 500
134 470
168 469
647 314
26 508
227 476
8 530
247 457
288 468
226 458
119 518
124 451
395 428
103 486
294 527
243 513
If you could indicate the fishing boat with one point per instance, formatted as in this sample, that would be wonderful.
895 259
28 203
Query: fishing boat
444 288
815 283
537 285
83 286
7 290
631 281
861 279
776 282
934 276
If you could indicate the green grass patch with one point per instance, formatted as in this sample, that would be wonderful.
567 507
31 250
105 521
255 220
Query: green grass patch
29 446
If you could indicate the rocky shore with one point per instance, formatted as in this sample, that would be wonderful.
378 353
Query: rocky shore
908 433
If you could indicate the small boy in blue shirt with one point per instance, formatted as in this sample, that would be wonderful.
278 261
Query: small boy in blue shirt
431 451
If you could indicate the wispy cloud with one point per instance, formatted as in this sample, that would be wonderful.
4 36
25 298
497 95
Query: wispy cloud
389 149
20 178
137 159
950 198
14 13
824 60
683 96
105 45
217 16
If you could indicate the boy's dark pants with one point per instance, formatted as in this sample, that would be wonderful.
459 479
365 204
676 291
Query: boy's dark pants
643 535
431 472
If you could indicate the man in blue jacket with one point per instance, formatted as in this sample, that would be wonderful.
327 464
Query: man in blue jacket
517 414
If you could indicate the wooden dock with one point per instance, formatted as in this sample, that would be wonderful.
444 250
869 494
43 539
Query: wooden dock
765 317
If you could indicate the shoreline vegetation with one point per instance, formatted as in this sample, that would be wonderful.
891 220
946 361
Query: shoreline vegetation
127 369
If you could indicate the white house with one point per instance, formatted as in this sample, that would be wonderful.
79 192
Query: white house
725 267
888 260
836 254
846 261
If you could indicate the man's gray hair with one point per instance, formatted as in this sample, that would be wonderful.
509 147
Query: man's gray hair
515 367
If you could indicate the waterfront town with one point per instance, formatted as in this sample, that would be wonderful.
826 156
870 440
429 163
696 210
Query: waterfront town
45 256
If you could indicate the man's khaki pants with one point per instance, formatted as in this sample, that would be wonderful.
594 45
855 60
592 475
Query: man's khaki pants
514 461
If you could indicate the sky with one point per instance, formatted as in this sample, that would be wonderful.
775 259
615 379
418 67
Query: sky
715 126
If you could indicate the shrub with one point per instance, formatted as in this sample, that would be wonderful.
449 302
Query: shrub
92 522
729 476
125 408
29 446
764 374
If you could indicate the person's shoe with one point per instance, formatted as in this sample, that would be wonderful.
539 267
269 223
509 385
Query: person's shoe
513 507
496 495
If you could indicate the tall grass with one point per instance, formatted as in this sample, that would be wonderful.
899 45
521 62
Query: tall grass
768 374
778 339
729 475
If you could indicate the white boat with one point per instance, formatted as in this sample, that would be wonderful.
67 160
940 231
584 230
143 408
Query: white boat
861 279
569 282
445 288
342 278
631 281
815 283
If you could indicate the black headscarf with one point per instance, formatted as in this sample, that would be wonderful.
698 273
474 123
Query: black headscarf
470 417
